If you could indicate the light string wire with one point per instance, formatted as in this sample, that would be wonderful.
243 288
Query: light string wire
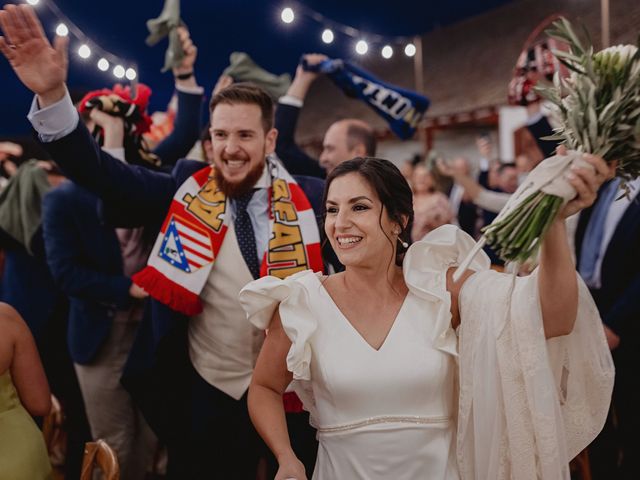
129 68
334 26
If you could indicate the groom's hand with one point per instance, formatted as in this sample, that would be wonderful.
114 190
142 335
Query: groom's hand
42 68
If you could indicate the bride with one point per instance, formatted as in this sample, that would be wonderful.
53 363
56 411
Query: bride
409 375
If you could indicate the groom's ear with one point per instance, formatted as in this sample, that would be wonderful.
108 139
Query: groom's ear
270 141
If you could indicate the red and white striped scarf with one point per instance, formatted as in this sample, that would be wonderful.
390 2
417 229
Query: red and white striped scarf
194 229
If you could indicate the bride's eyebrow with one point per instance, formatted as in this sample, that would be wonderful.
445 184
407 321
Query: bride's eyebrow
352 200
361 197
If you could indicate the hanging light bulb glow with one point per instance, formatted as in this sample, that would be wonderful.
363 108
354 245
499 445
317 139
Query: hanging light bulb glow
410 50
131 74
287 15
387 51
84 51
62 30
362 47
103 64
33 2
118 71
327 36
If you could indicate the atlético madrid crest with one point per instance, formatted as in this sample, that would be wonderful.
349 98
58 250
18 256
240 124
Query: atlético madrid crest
185 245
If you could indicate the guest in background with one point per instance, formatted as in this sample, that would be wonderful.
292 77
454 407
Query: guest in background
607 240
344 139
93 263
27 277
24 393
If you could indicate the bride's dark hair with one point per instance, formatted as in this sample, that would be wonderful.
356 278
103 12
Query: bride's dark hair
392 189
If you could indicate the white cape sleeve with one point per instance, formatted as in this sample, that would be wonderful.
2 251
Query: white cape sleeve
527 405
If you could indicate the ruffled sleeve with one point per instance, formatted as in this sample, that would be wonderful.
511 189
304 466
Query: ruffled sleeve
425 272
260 299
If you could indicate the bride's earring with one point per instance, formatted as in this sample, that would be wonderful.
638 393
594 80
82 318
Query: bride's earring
402 242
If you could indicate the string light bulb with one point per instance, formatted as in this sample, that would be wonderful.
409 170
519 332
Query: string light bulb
130 74
410 50
103 64
118 71
84 51
327 36
62 30
287 15
33 3
362 47
387 51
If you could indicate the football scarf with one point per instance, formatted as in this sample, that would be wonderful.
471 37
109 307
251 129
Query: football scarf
194 229
402 109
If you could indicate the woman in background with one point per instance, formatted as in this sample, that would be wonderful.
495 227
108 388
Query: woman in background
24 392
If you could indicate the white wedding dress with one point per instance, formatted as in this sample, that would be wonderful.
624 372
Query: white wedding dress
401 412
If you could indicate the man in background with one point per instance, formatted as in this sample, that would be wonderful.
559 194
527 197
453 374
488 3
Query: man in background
343 140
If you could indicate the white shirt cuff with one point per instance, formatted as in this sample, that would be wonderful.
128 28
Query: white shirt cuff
197 90
55 121
291 101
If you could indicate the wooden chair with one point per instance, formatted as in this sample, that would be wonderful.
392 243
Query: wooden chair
580 467
99 453
53 431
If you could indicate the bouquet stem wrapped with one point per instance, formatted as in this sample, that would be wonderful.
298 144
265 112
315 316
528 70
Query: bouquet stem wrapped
599 110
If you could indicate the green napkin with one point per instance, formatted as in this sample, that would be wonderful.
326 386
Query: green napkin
243 69
167 25
21 203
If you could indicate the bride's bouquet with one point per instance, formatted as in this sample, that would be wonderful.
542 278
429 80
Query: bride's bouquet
598 106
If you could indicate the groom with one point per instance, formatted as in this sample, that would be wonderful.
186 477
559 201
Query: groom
219 227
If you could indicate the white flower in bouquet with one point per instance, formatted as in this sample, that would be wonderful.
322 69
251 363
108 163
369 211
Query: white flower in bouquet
598 107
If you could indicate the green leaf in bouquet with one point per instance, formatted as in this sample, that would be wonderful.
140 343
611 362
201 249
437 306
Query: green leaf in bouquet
604 149
617 94
571 66
568 56
593 125
605 113
586 142
587 63
557 84
553 138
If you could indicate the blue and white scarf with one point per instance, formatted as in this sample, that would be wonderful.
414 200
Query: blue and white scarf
402 109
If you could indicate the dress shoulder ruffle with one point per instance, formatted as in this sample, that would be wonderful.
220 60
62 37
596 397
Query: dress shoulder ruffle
260 299
425 272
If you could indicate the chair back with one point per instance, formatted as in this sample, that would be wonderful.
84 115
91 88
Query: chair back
54 433
101 454
580 467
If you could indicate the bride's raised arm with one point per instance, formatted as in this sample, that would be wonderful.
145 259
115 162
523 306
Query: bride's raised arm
557 282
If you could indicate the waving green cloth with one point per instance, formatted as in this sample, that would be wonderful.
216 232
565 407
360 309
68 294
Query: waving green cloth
243 69
21 203
167 24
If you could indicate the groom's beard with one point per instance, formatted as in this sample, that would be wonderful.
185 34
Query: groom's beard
236 189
